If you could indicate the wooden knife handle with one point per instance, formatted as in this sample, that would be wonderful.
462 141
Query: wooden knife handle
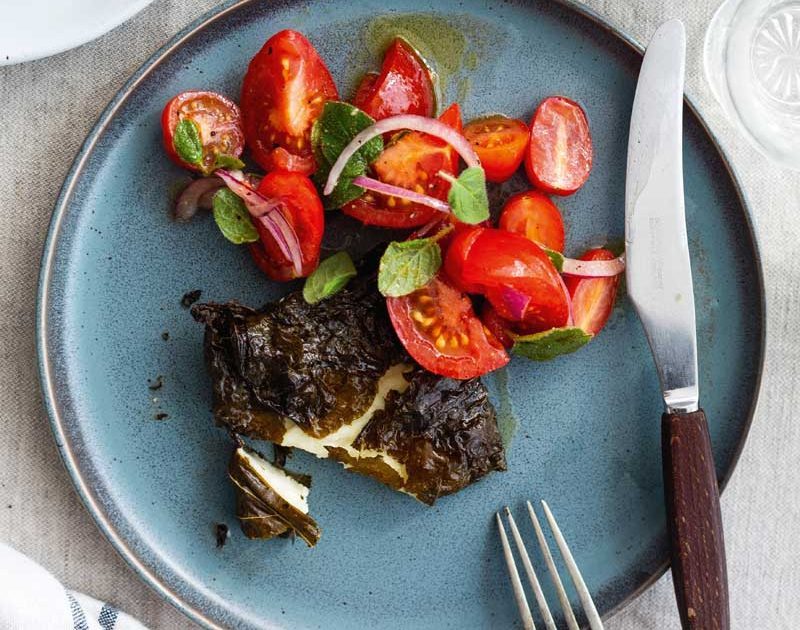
694 522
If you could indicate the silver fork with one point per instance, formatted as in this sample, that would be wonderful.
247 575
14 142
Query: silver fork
519 592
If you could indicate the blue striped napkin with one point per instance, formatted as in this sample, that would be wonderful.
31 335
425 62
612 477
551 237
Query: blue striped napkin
32 599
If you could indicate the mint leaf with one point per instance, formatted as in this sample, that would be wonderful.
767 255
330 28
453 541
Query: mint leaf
468 196
551 343
338 124
330 277
408 265
557 258
223 160
187 142
232 217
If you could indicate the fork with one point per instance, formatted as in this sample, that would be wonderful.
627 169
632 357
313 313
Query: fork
519 592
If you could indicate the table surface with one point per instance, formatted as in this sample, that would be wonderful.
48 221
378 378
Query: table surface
46 109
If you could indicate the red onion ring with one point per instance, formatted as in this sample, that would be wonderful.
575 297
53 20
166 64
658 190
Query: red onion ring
413 122
594 268
570 313
271 214
377 186
197 195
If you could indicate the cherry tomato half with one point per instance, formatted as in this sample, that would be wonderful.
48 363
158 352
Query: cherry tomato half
410 161
439 329
498 263
533 215
559 156
500 143
303 209
593 298
284 91
500 328
456 253
404 85
217 121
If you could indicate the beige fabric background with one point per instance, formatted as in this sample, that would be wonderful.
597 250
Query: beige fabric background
46 109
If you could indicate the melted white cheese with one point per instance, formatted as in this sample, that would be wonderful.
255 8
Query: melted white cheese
291 490
346 434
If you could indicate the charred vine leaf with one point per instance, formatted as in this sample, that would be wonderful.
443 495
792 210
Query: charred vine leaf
280 454
443 433
315 365
269 500
332 379
221 533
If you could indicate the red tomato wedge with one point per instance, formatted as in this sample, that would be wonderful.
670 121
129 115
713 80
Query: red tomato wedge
217 120
404 85
303 211
499 327
536 217
284 91
559 156
508 268
439 329
410 161
365 88
500 143
457 252
593 298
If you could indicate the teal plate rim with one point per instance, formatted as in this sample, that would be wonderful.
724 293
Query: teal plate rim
68 455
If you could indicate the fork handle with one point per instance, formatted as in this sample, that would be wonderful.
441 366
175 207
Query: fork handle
694 521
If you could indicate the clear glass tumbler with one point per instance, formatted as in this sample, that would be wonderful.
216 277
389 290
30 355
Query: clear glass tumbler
752 62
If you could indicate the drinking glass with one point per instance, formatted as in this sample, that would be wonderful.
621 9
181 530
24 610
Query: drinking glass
752 62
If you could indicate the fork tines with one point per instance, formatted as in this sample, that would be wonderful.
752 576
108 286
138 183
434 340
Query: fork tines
569 562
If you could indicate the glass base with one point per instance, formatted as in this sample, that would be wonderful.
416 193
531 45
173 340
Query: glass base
752 62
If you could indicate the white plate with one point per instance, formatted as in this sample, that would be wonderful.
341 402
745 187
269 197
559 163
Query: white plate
32 29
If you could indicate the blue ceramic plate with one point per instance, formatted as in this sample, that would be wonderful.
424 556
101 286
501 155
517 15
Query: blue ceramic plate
115 269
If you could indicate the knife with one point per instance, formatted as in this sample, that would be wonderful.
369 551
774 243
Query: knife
659 282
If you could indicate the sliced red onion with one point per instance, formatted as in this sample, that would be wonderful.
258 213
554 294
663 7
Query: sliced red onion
515 301
206 201
388 189
518 302
594 268
271 214
251 179
195 196
570 313
413 122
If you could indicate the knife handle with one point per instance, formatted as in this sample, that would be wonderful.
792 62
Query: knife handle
694 522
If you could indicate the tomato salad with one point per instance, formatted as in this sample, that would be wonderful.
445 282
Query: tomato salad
461 293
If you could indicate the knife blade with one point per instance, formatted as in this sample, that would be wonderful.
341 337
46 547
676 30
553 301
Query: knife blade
659 281
658 273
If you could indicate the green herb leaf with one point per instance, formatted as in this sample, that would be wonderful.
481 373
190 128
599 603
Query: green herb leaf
557 258
232 218
408 265
331 133
223 160
468 196
551 343
187 142
330 277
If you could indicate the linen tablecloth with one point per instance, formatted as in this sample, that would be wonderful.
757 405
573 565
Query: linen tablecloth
46 109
